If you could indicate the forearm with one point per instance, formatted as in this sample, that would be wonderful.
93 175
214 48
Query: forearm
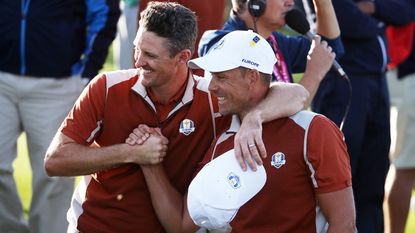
341 229
74 159
66 157
326 24
168 203
319 61
338 208
282 100
311 84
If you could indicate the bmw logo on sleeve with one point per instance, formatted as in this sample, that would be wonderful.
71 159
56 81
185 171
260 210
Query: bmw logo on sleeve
278 159
187 127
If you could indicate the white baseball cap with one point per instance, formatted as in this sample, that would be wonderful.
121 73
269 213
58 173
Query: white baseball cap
220 189
237 48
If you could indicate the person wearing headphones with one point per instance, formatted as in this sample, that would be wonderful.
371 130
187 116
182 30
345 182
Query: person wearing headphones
266 16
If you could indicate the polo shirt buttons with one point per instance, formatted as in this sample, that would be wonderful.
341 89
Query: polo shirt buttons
120 197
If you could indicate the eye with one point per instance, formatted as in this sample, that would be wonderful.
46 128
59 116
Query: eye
150 55
221 78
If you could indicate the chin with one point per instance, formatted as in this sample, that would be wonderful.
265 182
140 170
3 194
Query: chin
146 79
225 112
146 82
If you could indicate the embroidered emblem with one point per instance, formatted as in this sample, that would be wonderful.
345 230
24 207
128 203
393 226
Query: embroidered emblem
254 41
187 127
234 180
278 159
218 45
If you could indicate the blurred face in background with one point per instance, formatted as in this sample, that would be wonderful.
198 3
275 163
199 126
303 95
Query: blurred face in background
274 15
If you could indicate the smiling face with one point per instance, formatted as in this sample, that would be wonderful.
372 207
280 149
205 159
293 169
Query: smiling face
158 67
232 90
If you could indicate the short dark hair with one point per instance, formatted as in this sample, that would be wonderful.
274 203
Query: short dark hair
172 21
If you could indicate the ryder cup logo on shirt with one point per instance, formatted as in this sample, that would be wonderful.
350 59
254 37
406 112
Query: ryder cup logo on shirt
186 127
278 159
234 180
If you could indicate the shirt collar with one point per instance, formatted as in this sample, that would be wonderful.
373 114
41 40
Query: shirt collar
187 97
235 125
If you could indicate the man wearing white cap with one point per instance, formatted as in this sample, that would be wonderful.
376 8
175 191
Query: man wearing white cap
304 184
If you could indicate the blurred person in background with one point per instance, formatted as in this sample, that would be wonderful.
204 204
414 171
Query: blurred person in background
367 126
123 47
49 49
266 16
402 171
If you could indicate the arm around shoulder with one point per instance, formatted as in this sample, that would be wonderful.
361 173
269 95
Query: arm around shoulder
282 100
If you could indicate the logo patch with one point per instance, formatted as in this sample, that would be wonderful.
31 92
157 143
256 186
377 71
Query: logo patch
278 159
234 180
218 45
187 127
254 41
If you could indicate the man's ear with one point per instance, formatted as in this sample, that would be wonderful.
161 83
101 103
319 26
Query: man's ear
253 76
184 56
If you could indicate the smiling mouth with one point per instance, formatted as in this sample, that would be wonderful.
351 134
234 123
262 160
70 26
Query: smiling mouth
146 71
221 99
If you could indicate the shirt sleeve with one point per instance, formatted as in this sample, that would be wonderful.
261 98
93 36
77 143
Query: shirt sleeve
101 18
327 155
85 119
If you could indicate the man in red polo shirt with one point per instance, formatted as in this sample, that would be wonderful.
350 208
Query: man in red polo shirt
161 92
308 184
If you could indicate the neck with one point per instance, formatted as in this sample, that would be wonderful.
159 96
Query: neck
164 93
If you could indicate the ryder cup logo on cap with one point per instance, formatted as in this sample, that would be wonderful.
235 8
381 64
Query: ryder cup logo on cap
237 49
220 189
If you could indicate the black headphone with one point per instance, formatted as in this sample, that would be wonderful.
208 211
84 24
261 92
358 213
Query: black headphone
256 7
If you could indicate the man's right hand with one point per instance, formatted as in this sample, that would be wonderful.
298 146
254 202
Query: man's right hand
141 134
149 146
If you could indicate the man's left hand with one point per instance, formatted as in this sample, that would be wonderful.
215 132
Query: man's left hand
249 147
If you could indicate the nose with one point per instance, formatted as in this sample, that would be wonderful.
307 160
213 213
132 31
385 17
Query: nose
139 60
213 84
289 3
